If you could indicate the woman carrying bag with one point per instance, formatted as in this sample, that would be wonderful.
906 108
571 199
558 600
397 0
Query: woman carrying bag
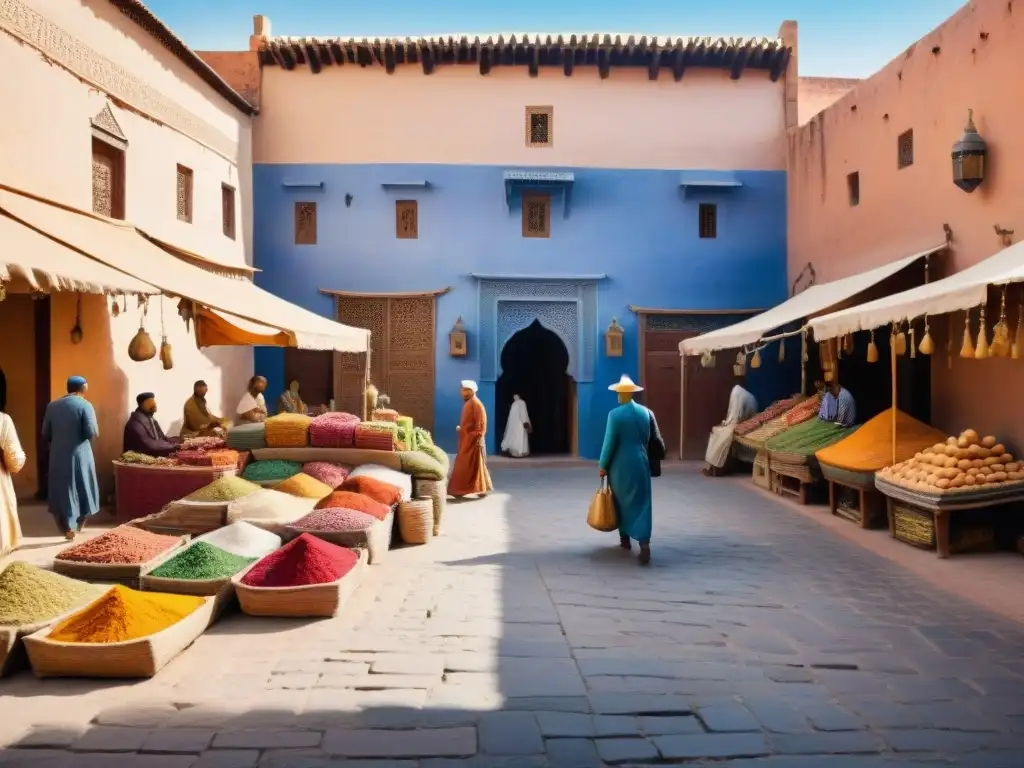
633 447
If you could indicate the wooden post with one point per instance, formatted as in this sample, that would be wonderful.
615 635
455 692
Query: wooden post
803 363
682 403
892 356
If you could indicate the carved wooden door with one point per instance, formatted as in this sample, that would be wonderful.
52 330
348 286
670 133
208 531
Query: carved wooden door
401 354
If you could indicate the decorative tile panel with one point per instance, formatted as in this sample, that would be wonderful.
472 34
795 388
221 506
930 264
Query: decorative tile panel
560 317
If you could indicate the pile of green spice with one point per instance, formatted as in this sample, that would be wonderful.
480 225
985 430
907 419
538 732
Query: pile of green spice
273 469
202 562
29 594
227 488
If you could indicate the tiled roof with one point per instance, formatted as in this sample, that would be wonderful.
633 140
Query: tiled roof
137 11
533 51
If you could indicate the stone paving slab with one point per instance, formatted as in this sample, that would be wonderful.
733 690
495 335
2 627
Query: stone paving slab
522 639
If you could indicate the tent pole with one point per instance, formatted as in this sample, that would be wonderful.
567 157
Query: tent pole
803 363
892 356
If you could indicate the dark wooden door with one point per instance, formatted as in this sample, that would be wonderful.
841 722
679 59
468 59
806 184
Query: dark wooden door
42 374
314 370
706 401
661 384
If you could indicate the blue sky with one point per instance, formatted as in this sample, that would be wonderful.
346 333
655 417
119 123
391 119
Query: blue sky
839 39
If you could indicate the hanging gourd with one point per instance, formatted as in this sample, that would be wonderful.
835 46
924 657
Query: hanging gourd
913 340
927 346
76 331
1001 331
872 349
782 350
141 347
899 340
982 350
967 346
755 361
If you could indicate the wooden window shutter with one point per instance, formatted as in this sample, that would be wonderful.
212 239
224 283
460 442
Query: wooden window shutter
227 206
536 215
305 223
184 194
407 224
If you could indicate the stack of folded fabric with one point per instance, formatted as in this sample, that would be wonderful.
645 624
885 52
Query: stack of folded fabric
376 435
288 430
384 414
222 457
333 430
246 437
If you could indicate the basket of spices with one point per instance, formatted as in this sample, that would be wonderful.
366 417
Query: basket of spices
307 577
378 538
31 599
119 555
271 472
201 511
344 527
121 634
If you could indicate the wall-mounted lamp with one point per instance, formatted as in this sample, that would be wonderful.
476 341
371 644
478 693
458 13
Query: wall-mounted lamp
969 155
348 200
457 340
613 339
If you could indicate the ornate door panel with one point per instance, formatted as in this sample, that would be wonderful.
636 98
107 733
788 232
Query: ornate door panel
401 354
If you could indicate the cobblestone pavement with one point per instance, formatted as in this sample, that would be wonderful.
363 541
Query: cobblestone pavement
520 638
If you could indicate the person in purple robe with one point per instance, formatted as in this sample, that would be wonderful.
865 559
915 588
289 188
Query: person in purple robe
142 433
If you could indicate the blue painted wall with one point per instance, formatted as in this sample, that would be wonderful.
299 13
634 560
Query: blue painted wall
636 226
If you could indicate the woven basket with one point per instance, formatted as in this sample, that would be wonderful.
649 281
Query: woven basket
416 521
913 527
761 475
312 601
142 490
115 573
198 587
194 517
801 472
12 648
143 657
437 492
352 457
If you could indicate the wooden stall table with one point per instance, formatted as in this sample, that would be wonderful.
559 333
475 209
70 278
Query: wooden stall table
925 520
869 507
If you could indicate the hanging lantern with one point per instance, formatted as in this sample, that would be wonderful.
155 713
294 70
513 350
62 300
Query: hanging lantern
1015 346
1001 331
782 350
741 358
872 349
755 361
927 346
969 155
848 344
982 350
899 341
3 292
967 346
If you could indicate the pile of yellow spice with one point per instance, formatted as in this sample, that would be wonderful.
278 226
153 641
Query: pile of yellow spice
124 614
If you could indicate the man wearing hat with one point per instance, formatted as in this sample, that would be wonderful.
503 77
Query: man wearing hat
469 473
69 425
142 433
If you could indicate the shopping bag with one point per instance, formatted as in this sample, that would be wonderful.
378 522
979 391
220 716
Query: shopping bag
601 515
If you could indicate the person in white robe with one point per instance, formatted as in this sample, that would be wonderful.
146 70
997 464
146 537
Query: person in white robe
742 405
516 442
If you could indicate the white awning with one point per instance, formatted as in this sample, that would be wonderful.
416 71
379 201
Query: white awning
815 299
121 246
49 265
964 290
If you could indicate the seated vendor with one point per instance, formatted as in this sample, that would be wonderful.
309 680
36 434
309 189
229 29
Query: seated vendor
142 433
252 408
198 421
742 405
837 405
290 400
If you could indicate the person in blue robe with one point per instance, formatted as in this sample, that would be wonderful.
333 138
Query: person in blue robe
625 463
69 427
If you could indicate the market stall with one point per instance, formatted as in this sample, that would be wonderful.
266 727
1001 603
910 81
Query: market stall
756 440
792 464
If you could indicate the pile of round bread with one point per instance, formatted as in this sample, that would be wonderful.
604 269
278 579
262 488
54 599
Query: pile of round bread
967 462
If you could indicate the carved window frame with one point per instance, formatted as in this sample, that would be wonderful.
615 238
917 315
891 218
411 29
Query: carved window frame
306 234
227 211
413 208
533 198
109 140
184 177
531 113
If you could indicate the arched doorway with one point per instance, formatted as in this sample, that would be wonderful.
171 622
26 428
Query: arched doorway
533 365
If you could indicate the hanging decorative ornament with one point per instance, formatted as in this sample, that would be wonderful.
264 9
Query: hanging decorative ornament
782 350
949 344
899 340
1001 331
1015 347
741 358
848 344
927 346
76 332
124 303
3 291
982 350
165 347
803 343
115 310
755 361
913 340
967 347
872 349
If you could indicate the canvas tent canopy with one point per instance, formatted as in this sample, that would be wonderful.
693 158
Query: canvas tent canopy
964 290
810 302
126 251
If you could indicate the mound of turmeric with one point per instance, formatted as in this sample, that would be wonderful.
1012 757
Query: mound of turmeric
869 449
124 614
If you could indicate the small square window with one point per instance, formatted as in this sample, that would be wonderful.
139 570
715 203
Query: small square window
184 196
536 215
708 216
853 187
407 225
305 223
540 127
906 149
227 210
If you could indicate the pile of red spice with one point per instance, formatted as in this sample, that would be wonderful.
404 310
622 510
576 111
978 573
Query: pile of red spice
123 545
301 562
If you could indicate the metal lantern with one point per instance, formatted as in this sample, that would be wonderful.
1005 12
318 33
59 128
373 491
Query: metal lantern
969 155
613 339
457 340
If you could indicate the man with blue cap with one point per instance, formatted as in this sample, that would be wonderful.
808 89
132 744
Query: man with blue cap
69 427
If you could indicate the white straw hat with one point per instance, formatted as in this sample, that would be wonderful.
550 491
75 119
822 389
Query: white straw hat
625 385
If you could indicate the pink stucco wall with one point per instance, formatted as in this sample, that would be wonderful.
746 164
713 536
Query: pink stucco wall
458 116
45 148
972 61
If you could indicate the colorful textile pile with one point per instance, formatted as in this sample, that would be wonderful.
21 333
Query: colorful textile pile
357 501
29 594
143 459
870 447
773 411
227 488
243 539
271 470
124 614
221 457
304 486
288 430
378 490
202 562
123 545
302 562
202 444
801 412
399 480
335 520
376 435
327 473
333 430
806 439
246 437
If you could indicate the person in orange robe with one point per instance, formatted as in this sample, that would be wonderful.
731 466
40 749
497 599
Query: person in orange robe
469 474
